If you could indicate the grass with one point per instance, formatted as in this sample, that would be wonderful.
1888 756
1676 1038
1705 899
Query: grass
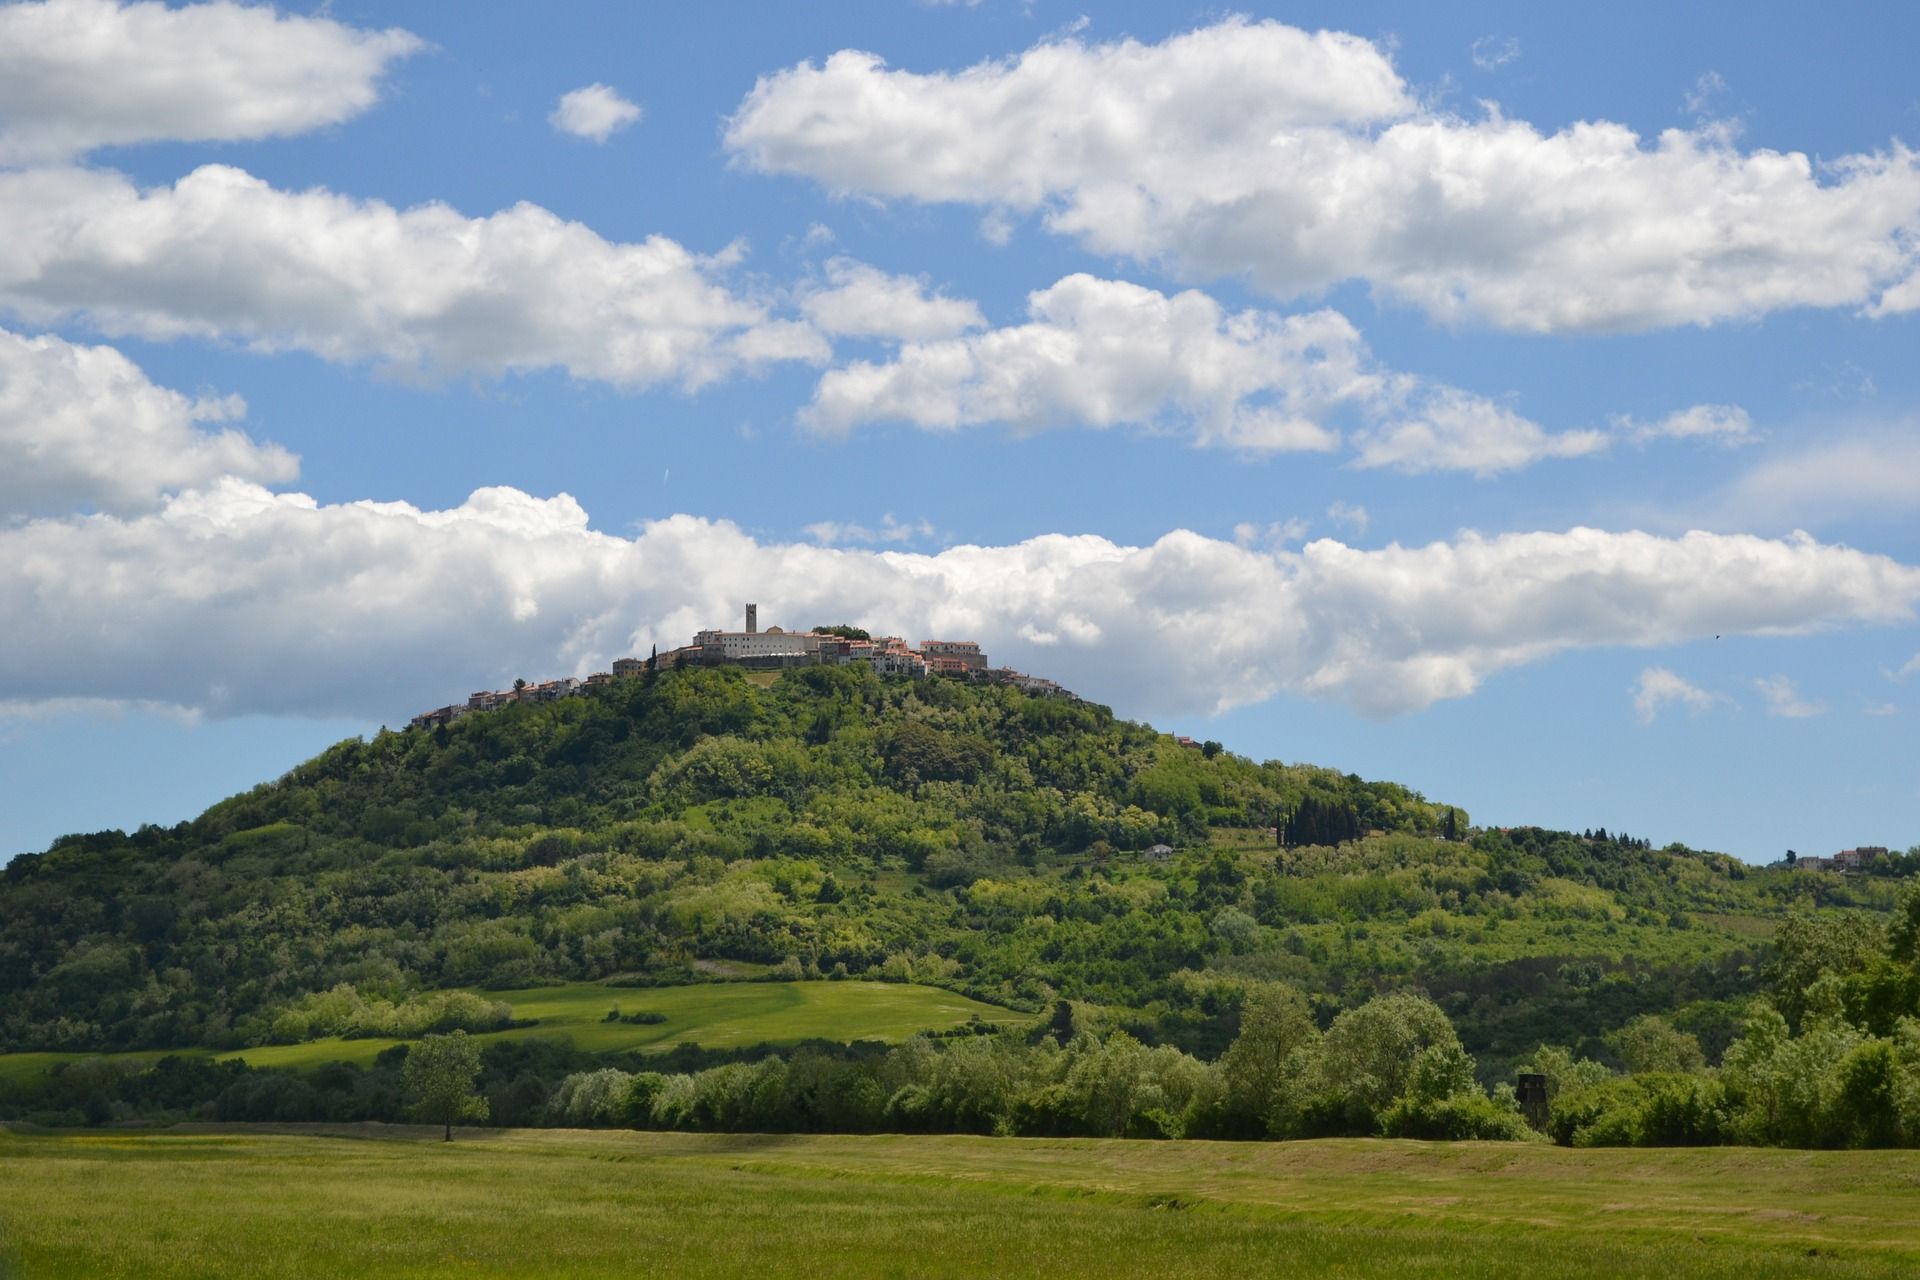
395 1202
715 1015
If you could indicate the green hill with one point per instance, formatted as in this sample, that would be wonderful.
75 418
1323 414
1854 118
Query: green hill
700 826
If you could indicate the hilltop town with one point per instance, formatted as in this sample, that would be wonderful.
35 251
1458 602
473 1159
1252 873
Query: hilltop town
771 650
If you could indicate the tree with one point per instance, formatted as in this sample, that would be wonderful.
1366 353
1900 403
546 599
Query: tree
1563 1071
1260 1068
918 752
1807 947
1323 822
1061 1026
1903 934
1652 1044
1369 1052
1451 831
439 1077
1441 1071
1237 931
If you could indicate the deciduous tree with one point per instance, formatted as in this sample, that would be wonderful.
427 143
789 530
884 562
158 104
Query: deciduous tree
439 1077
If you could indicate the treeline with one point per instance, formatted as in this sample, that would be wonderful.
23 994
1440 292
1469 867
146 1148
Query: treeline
1830 1060
1828 1057
1393 1065
344 1010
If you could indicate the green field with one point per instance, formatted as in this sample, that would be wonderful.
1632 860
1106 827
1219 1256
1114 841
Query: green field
396 1202
714 1015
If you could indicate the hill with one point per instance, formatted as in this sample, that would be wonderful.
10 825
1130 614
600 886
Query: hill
833 822
1035 853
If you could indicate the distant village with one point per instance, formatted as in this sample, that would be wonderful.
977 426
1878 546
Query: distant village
1845 861
769 650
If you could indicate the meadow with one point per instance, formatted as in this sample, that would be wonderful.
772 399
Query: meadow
397 1202
713 1015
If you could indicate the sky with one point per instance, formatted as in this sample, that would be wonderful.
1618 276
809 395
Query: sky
1515 402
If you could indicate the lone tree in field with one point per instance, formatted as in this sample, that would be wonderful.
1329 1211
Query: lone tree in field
439 1076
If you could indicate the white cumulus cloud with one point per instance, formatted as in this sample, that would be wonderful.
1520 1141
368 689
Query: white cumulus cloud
860 301
81 426
1453 430
1102 353
1899 299
427 290
80 74
595 112
1300 160
251 601
1658 686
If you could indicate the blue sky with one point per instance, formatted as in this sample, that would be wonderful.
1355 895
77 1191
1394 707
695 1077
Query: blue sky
1509 401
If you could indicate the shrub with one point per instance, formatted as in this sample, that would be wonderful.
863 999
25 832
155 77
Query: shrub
1659 1110
1461 1116
588 1099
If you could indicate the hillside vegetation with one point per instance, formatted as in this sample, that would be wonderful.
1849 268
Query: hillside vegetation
833 824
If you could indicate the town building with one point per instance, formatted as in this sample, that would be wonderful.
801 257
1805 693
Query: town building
839 651
438 717
745 646
550 690
1858 859
963 656
774 649
891 657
